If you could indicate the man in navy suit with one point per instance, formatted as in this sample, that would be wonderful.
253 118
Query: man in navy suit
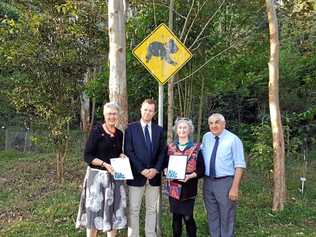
144 145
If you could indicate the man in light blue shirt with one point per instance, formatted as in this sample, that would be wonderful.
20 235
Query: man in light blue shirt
224 164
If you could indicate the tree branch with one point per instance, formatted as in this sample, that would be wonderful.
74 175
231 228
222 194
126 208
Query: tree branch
177 13
154 13
196 47
192 23
204 64
186 20
207 23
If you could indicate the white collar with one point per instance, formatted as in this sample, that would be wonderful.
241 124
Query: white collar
144 124
220 135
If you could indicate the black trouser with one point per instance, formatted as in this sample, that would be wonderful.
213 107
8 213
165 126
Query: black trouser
177 225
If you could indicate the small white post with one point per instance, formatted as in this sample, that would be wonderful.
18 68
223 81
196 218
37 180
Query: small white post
303 179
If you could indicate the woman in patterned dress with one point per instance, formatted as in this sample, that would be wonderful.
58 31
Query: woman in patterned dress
103 199
182 193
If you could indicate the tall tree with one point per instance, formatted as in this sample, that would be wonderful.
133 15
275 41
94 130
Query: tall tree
85 115
48 51
279 193
117 57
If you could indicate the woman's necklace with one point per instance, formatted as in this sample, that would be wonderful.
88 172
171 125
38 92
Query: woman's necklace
182 146
109 130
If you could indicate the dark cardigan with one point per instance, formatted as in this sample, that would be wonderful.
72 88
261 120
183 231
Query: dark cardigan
102 146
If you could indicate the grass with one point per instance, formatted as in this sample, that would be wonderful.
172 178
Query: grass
33 204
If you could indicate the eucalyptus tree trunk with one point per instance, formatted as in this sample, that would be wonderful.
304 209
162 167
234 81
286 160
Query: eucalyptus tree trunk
60 135
92 112
186 96
85 106
279 192
117 57
60 159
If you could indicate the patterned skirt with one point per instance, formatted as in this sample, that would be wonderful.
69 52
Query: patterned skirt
102 203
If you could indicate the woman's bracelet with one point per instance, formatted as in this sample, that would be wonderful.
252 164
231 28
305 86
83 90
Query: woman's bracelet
102 164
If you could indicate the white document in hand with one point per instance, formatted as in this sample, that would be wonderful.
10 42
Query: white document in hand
122 168
176 167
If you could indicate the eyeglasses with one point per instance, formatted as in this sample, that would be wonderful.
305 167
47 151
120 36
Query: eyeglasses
112 114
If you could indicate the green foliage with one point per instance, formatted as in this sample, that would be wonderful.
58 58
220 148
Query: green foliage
299 130
244 132
8 11
261 153
97 89
45 55
42 142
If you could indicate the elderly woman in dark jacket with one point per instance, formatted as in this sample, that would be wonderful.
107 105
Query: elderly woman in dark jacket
103 199
182 193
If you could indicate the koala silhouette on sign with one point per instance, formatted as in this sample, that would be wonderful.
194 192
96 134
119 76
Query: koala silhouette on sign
163 51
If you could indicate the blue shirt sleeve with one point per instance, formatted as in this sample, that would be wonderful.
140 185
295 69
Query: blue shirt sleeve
238 154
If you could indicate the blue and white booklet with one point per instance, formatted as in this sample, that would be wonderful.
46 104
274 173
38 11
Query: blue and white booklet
176 167
122 168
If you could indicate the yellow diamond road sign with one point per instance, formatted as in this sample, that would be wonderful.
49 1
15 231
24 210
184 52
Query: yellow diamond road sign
162 53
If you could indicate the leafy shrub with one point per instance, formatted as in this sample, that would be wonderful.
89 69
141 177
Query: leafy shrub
298 132
41 141
261 153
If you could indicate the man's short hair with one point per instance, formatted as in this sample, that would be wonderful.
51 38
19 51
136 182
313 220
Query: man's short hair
149 101
216 116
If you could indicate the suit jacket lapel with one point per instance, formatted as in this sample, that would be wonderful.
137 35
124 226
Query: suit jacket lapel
153 135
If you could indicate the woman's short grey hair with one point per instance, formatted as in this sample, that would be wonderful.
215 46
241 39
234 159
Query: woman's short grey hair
185 120
111 105
216 116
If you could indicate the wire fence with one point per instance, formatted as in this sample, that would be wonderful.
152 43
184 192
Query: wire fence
27 140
